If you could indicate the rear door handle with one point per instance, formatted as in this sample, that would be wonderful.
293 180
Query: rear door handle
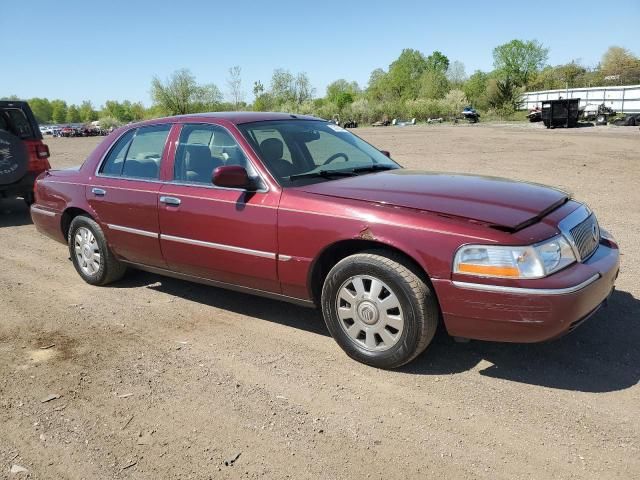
173 201
98 192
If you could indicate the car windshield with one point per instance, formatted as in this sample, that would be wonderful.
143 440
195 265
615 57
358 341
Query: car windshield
300 152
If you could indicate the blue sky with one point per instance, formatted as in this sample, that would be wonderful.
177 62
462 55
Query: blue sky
111 49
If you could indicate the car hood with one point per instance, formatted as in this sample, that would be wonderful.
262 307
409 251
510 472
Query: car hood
499 202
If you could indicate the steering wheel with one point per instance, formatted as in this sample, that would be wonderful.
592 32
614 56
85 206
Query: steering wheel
334 156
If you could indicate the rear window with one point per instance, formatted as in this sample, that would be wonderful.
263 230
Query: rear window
15 121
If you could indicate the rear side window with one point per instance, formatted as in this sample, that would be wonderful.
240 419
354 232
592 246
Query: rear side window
138 153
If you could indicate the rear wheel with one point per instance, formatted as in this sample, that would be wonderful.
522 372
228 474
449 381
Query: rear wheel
378 310
91 255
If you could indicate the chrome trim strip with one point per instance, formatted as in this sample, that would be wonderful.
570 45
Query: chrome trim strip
42 212
284 258
135 231
526 291
219 246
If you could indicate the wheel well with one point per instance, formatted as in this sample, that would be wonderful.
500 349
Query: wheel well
338 251
68 215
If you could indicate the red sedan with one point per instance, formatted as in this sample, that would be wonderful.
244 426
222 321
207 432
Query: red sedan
300 209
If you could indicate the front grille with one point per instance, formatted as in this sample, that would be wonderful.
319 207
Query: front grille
586 236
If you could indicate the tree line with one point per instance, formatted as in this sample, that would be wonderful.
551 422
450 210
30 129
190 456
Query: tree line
413 85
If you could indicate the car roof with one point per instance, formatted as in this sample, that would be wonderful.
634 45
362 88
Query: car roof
233 117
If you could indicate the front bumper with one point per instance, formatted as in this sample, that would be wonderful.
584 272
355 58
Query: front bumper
541 310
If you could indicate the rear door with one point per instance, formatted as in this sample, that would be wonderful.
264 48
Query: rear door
124 194
222 234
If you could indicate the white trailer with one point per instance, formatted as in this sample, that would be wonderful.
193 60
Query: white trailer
621 99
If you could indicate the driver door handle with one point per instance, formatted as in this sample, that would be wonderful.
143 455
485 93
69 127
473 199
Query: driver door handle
173 201
98 192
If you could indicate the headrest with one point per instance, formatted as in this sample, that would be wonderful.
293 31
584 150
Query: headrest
197 157
272 149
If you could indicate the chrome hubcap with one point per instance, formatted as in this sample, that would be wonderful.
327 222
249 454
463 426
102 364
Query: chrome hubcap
87 251
369 312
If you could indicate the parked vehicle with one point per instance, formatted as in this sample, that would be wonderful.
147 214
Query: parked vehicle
300 209
535 114
629 120
347 124
23 155
403 123
598 113
470 115
385 122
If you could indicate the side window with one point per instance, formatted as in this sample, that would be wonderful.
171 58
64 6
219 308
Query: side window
115 161
145 152
203 148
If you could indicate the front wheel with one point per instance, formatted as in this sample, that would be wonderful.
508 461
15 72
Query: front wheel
91 255
378 310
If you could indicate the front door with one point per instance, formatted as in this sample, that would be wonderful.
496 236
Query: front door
222 234
124 194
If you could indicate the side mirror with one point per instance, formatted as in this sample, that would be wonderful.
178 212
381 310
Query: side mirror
386 153
232 176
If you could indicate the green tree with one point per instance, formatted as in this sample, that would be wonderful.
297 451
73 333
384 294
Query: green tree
620 62
377 86
87 112
73 114
433 84
42 109
437 61
404 73
258 88
263 103
181 94
58 111
137 111
282 86
518 61
290 89
113 109
503 95
342 92
475 89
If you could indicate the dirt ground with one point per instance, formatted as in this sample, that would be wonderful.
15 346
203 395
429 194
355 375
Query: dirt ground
160 378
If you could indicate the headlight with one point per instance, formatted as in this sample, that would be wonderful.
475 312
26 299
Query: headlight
534 261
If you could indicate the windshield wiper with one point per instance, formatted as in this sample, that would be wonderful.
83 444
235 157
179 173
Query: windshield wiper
376 167
324 174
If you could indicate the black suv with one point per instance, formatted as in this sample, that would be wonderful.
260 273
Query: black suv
23 155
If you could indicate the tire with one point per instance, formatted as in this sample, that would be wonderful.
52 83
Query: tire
14 158
384 330
601 120
85 239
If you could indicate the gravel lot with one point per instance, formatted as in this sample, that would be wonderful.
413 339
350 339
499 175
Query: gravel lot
160 378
